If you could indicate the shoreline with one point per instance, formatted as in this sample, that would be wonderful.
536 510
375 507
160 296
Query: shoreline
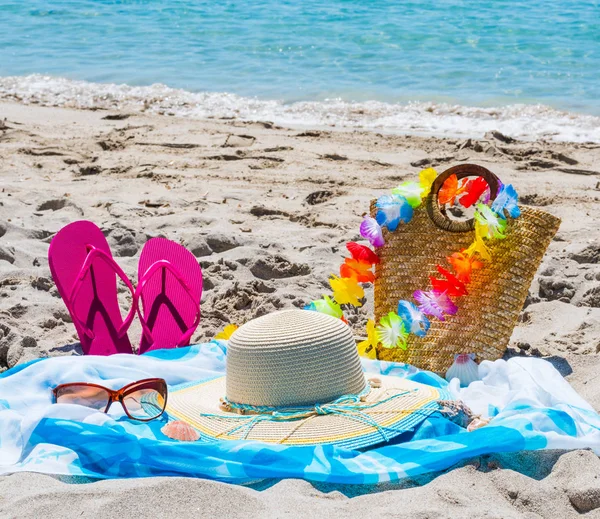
267 211
530 122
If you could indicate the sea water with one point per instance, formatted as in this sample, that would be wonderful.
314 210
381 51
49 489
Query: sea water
449 67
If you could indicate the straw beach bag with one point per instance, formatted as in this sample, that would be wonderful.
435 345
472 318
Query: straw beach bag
486 318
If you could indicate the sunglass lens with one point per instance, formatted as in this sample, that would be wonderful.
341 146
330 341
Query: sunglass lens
88 396
145 403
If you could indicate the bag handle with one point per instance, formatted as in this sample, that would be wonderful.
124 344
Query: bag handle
438 214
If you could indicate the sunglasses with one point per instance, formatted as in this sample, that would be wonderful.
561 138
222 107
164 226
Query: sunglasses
143 400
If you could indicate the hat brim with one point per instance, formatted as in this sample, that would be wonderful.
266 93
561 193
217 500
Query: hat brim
397 406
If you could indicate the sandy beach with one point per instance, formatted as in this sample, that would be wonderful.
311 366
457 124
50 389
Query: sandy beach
267 211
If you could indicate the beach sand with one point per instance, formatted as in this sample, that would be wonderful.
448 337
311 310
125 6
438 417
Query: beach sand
267 210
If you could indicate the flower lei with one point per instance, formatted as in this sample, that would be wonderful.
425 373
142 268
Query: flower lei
410 318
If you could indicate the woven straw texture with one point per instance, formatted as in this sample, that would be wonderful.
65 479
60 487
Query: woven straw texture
497 292
300 358
394 416
294 357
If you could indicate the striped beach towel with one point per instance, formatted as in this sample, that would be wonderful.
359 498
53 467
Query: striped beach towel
532 407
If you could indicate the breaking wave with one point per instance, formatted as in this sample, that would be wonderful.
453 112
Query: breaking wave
526 122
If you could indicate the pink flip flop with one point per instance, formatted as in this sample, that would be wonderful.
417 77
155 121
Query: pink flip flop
85 274
169 288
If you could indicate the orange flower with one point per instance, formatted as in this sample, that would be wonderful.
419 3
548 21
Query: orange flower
463 265
450 190
360 270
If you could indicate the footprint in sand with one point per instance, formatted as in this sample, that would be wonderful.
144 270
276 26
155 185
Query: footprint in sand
57 204
7 254
589 254
319 197
238 141
552 289
53 205
221 243
277 267
197 245
125 242
591 297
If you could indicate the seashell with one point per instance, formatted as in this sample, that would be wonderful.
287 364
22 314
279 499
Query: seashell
181 431
464 368
457 412
375 382
478 423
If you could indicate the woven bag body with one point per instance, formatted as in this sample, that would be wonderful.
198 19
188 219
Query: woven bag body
497 292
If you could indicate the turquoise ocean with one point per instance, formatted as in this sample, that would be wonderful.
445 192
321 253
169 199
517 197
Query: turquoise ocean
450 67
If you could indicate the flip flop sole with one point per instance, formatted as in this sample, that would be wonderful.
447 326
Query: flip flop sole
166 307
96 303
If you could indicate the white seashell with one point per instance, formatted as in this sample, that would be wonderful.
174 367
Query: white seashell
464 368
181 431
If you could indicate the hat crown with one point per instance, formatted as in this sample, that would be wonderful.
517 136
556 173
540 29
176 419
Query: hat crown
292 358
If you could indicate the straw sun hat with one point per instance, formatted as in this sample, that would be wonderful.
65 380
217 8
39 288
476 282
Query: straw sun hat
294 377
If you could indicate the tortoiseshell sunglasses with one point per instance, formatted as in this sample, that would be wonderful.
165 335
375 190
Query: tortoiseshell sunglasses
143 400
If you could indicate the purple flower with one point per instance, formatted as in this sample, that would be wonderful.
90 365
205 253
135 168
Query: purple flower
435 303
371 230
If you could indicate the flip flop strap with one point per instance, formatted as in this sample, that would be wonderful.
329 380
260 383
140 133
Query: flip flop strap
85 269
167 265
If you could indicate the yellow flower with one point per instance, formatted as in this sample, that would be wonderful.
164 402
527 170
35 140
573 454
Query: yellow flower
346 290
368 347
479 247
481 230
227 332
426 178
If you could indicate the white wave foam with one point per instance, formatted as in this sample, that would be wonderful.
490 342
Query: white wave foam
528 122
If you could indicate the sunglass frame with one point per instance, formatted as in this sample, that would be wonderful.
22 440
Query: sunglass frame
158 384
